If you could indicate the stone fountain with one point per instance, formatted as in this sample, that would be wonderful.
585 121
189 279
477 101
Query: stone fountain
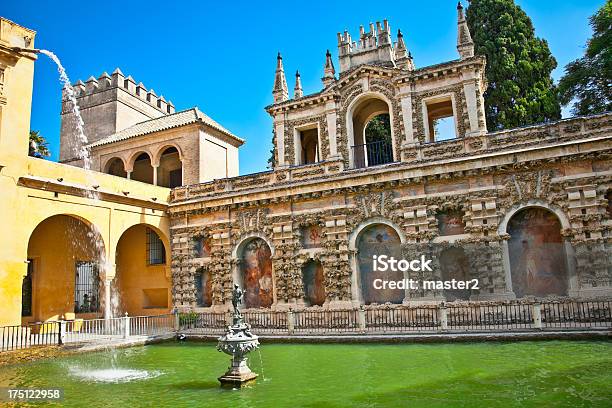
238 341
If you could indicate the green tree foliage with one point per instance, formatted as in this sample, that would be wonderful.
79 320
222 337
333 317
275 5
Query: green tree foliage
38 145
378 129
519 64
588 80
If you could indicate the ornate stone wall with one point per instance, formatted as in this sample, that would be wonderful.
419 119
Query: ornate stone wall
575 187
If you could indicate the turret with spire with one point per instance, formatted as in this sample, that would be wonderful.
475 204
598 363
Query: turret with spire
465 45
280 90
297 90
329 73
403 58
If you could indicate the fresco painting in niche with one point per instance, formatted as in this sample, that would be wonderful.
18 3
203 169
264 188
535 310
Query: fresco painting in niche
314 283
378 239
203 247
311 236
203 285
256 269
450 222
537 256
454 264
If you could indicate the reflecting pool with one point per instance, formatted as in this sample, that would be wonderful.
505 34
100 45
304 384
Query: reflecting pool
526 374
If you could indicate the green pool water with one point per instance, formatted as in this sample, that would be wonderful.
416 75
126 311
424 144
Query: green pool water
525 374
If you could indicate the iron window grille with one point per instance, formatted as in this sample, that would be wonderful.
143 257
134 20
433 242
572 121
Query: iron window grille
87 287
26 291
156 254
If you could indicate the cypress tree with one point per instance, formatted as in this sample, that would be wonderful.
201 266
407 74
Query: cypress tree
519 65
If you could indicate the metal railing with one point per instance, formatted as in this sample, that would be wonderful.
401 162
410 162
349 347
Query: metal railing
450 317
85 331
372 154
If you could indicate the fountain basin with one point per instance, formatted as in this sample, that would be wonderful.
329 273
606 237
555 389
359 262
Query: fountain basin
238 342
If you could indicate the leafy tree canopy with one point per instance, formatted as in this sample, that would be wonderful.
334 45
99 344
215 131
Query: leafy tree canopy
588 80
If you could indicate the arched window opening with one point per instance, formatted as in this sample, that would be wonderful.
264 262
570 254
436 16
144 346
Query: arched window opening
256 273
143 170
372 134
115 167
170 170
537 254
314 283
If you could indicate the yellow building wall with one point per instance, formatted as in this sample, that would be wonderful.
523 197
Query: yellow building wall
33 190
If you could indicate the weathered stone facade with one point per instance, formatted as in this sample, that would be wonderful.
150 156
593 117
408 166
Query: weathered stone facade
563 167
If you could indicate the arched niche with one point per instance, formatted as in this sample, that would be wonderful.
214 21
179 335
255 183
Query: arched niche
203 285
313 279
254 272
537 253
378 239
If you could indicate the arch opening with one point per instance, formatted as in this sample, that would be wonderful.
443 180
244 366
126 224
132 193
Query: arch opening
143 169
170 170
314 283
115 167
377 240
65 258
372 133
255 273
537 254
141 279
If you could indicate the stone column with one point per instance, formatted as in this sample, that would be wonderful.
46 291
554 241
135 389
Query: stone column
279 127
332 117
155 167
108 310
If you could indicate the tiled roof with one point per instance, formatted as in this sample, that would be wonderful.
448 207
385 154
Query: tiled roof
174 120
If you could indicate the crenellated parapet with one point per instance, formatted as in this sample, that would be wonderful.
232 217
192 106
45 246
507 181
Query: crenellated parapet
108 104
117 80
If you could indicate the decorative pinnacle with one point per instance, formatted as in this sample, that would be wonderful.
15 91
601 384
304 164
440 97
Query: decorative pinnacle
459 6
280 91
297 90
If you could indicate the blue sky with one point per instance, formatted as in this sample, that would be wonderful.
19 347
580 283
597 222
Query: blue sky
221 56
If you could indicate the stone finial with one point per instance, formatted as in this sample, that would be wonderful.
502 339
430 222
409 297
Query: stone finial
465 45
297 90
329 73
280 92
